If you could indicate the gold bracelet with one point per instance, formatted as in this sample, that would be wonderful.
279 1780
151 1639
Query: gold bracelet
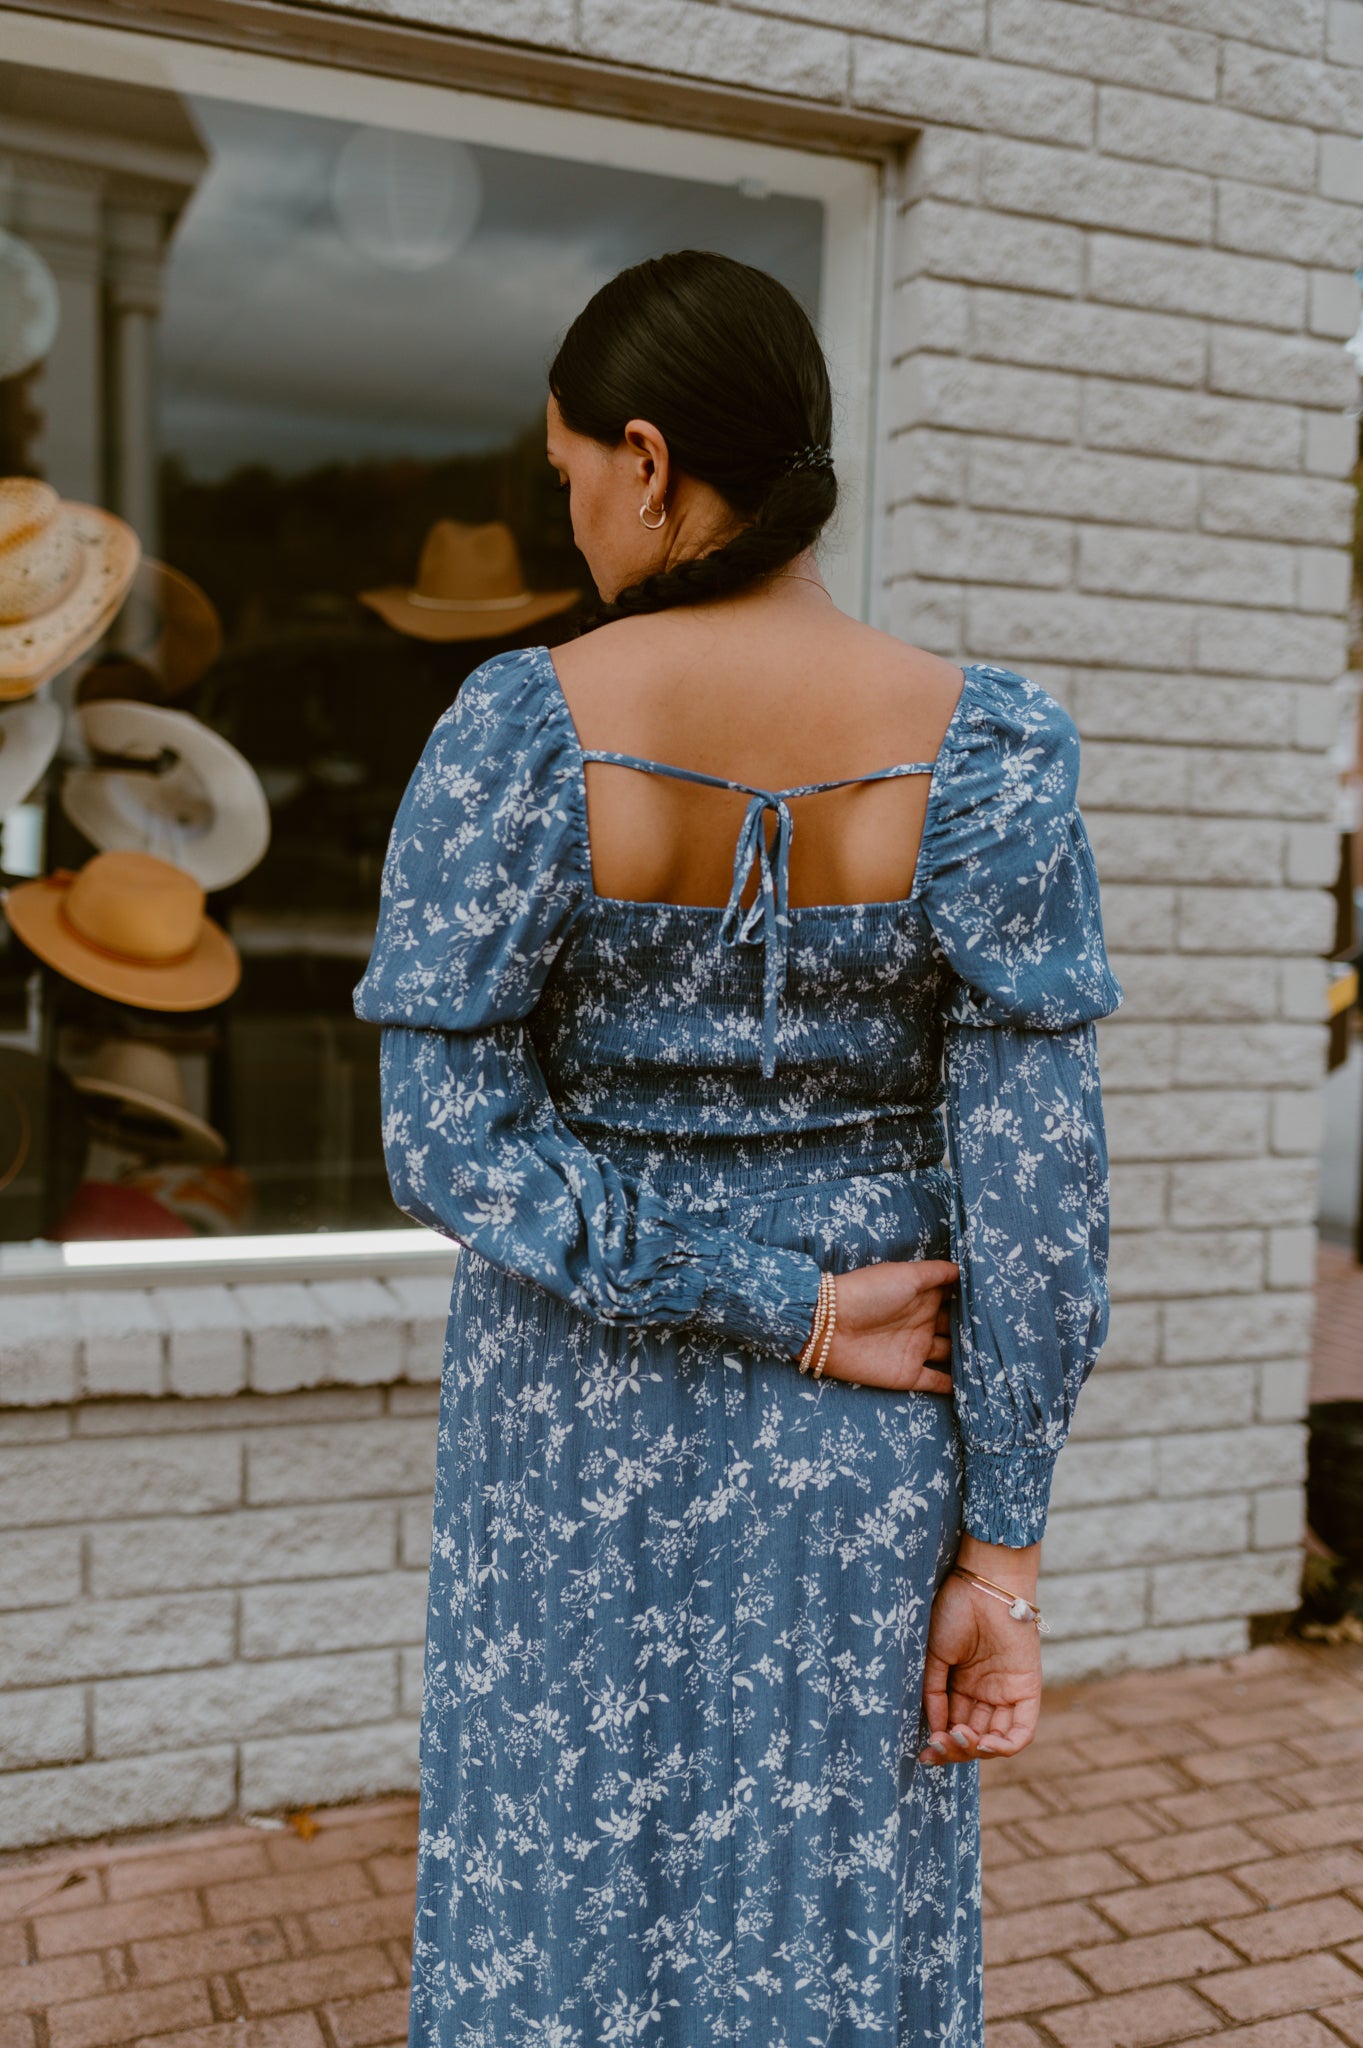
1018 1606
808 1355
831 1325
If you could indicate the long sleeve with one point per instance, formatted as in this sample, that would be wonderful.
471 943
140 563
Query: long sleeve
486 868
1012 893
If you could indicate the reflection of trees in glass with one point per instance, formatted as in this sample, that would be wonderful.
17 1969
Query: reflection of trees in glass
272 550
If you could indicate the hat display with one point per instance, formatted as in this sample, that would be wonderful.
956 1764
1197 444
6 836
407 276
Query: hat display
198 803
135 1099
169 635
64 570
130 927
469 586
29 735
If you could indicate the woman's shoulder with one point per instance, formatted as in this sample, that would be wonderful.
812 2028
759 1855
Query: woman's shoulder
1009 739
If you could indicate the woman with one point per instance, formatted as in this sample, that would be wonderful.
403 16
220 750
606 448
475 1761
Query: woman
676 926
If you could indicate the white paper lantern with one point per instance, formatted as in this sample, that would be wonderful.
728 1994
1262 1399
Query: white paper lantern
30 306
406 202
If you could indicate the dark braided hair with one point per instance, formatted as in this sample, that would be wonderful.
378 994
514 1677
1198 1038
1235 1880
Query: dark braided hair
723 360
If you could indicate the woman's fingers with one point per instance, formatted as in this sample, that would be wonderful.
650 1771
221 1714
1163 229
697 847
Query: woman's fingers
930 1382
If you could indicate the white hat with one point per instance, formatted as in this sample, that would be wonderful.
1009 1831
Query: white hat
135 1099
29 733
64 570
204 810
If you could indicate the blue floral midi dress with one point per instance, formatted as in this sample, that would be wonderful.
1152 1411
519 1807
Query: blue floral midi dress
679 1591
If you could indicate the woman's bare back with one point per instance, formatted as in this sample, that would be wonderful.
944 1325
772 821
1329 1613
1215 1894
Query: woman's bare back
774 690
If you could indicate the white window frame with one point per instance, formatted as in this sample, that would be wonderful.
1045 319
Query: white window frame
851 292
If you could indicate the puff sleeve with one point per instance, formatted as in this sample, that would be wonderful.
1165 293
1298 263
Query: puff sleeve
487 866
1011 890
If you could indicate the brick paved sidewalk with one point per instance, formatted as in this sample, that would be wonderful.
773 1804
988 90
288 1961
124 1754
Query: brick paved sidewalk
1179 1855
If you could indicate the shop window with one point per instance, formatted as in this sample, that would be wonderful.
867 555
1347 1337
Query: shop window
300 355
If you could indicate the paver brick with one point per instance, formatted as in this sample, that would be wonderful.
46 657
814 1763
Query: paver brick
189 1868
254 1898
1285 1879
128 2015
1135 2019
30 1988
1346 2018
1150 1908
1101 1827
16 2031
104 1926
277 1987
1265 1990
1186 1855
294 2030
388 1918
1294 1930
364 2022
1026 1987
1042 1931
1242 1799
216 1950
1042 1879
1153 1959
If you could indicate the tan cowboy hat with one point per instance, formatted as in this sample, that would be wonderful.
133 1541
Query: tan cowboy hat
130 927
135 1099
168 634
64 570
199 803
469 586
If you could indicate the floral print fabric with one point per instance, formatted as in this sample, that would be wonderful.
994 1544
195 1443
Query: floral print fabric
679 1594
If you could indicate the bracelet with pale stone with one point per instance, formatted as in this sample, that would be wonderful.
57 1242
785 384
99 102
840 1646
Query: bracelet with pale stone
1020 1608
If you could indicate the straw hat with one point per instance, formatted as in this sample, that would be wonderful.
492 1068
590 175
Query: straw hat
29 733
64 570
169 635
205 811
130 927
469 586
135 1099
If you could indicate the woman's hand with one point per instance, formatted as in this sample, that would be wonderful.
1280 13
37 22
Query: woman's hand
893 1327
982 1679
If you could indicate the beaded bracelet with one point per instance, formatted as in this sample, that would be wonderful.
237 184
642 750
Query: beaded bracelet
815 1354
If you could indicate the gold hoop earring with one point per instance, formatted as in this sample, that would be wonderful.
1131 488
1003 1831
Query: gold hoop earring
661 520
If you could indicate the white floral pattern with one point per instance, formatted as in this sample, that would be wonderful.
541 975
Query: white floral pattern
679 1593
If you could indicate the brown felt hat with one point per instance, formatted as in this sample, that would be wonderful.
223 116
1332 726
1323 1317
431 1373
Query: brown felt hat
130 927
469 586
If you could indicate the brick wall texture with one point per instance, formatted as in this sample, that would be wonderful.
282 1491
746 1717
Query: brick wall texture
1117 438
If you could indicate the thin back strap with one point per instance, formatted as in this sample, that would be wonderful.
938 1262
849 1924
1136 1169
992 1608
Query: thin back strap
766 921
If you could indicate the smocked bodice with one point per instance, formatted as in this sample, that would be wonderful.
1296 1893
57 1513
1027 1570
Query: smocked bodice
648 1032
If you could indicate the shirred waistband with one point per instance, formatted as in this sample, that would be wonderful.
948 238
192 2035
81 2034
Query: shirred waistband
727 1164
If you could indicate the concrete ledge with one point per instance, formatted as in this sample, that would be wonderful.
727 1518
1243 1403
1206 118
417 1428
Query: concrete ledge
216 1340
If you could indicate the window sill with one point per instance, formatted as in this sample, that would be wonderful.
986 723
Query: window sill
292 1317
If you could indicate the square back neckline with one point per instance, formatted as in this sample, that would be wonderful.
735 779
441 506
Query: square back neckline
772 797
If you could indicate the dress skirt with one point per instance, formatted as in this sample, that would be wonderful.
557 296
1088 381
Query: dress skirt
679 1600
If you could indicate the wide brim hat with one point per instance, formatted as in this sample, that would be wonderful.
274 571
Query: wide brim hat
30 733
134 1099
470 586
130 927
64 571
206 813
168 636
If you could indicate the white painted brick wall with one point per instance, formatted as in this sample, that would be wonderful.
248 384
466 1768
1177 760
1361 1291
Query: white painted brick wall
207 1603
1117 442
